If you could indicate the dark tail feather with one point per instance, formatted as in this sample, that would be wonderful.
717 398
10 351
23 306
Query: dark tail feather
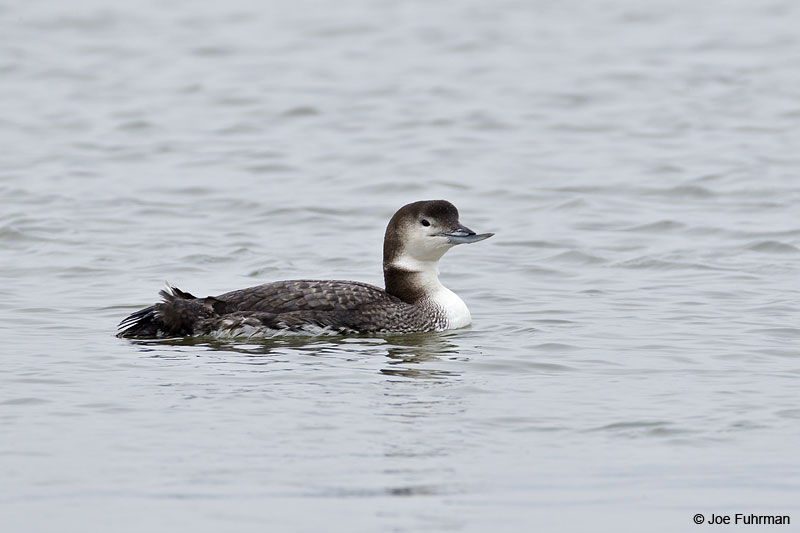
176 316
142 323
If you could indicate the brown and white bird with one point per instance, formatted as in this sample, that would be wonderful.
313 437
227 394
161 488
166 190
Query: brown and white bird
414 300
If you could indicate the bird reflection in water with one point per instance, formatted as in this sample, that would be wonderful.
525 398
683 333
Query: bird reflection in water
406 353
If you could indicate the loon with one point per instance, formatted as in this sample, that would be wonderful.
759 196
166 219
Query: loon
417 236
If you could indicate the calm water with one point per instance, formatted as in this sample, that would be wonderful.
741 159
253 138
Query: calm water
635 352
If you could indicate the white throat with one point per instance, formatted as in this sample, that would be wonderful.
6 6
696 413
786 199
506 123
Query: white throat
454 308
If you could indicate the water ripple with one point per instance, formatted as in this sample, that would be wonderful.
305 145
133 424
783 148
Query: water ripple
775 247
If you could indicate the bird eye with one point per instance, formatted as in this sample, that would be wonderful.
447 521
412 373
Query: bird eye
425 223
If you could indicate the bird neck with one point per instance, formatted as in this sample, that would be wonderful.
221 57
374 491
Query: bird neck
412 281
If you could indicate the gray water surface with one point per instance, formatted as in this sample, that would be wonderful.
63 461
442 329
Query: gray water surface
634 357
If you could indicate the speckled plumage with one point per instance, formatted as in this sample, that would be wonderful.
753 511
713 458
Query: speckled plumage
414 301
343 306
314 306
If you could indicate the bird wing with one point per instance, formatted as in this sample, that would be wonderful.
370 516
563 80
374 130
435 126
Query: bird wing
304 295
346 306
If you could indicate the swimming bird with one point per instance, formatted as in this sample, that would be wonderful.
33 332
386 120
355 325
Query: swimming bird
414 300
